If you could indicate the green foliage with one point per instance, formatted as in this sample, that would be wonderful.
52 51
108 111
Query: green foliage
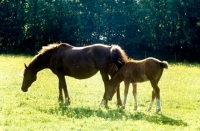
161 28
38 109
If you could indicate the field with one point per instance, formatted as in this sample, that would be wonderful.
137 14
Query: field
38 109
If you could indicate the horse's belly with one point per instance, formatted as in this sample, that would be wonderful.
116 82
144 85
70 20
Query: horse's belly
81 74
141 78
144 77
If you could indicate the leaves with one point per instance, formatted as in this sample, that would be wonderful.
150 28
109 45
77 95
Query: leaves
161 27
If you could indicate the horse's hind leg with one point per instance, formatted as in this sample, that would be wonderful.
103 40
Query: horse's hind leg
60 97
135 95
152 100
156 94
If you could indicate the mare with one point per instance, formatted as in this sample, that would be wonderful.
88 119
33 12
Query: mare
78 62
149 69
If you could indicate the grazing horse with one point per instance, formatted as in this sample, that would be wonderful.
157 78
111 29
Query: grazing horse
149 69
78 62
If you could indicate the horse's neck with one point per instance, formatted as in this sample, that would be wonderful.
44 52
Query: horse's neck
40 62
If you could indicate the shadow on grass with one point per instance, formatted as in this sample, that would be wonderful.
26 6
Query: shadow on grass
114 114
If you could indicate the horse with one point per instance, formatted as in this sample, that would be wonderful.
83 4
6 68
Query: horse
149 69
79 62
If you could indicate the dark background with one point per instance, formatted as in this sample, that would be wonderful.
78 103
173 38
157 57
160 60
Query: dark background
166 29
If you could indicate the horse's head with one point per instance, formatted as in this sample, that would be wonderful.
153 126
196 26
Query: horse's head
110 91
29 78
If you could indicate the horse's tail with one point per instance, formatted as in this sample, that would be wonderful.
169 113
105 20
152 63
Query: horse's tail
118 56
164 64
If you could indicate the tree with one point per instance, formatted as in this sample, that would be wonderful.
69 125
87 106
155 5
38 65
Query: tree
161 28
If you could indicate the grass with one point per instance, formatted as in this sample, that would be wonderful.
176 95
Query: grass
38 109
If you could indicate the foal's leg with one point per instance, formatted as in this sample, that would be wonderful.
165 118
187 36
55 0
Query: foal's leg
62 85
127 83
156 94
135 95
152 100
119 101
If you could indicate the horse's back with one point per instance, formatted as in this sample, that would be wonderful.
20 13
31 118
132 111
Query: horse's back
100 55
155 63
142 70
71 52
97 53
154 67
133 71
81 62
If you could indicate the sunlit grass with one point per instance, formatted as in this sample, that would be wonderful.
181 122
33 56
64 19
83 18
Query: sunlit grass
38 109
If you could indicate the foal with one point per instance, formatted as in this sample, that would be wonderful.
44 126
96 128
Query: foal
149 69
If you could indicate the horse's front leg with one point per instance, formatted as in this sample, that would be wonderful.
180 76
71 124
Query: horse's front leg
63 85
135 95
127 83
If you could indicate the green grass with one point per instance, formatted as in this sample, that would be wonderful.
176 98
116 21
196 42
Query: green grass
38 109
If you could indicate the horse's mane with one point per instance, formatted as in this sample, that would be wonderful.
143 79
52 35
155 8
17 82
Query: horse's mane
51 47
46 49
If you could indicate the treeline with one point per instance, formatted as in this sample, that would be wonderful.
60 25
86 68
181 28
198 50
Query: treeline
168 29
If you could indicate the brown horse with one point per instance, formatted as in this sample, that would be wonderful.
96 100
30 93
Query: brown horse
149 69
78 62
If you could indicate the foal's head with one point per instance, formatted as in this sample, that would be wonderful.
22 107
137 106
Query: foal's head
110 91
29 78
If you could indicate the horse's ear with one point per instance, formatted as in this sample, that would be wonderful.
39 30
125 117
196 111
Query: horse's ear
25 65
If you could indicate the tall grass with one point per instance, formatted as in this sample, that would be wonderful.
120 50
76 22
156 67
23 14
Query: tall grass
38 109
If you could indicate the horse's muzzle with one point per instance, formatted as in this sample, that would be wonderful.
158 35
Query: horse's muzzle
24 90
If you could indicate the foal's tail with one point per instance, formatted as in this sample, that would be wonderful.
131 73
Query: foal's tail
164 64
118 56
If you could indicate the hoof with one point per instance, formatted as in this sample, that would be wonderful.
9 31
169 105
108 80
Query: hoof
124 106
67 102
149 109
135 108
158 110
60 99
119 102
104 102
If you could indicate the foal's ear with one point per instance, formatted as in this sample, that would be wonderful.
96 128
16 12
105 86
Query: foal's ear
25 65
